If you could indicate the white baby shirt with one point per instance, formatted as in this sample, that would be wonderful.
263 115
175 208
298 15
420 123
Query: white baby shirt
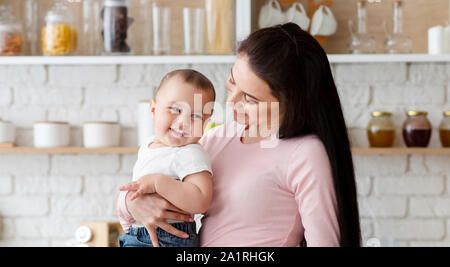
176 162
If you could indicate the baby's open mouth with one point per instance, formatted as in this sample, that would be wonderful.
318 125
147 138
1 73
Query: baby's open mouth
177 133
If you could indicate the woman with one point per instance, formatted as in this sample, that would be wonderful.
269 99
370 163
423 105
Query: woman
300 189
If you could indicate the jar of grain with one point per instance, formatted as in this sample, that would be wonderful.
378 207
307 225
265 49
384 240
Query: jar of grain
59 36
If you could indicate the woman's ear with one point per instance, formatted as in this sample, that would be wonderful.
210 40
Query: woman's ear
152 108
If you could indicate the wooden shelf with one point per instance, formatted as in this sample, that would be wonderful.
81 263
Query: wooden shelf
116 60
206 59
134 150
70 150
401 151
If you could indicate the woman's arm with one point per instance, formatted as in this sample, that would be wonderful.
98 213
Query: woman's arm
152 211
311 181
193 194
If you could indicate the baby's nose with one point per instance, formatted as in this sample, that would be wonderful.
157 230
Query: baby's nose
182 123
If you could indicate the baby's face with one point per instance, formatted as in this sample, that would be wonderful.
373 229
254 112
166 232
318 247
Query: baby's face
180 112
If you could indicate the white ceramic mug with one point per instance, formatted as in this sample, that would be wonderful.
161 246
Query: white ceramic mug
297 14
323 22
271 14
7 132
51 134
101 134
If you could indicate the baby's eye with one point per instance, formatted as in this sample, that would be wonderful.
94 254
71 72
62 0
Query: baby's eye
175 110
197 116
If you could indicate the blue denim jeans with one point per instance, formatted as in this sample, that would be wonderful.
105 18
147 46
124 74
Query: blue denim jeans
139 237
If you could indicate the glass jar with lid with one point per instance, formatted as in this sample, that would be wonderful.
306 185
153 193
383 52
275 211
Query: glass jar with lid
381 129
444 130
417 129
11 33
115 24
59 36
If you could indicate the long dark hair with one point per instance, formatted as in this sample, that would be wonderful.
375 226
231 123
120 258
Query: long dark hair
298 72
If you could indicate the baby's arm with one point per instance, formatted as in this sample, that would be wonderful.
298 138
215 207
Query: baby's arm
193 194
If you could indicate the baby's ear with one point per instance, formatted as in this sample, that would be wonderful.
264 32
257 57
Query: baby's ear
152 108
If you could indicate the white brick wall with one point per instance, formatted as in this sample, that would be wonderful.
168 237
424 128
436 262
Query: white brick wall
404 200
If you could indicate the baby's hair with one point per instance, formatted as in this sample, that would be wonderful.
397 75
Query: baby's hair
192 77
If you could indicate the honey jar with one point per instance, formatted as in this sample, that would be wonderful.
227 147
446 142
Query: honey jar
381 130
444 130
59 36
417 129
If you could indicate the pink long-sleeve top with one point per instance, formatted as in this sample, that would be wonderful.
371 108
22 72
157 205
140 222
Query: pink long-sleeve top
266 196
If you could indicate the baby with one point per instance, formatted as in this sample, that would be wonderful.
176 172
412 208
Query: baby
172 163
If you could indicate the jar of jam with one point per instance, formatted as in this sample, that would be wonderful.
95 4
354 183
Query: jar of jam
417 129
444 130
381 130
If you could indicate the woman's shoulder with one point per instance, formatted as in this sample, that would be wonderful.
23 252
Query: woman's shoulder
308 148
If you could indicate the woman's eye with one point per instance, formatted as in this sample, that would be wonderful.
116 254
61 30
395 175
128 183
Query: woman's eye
175 110
250 100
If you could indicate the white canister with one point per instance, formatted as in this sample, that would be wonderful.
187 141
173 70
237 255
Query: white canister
436 40
7 132
101 134
51 134
145 121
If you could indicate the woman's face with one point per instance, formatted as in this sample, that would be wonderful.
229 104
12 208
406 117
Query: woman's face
251 99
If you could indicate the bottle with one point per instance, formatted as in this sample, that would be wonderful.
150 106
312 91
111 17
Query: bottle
398 42
417 129
31 24
59 36
361 42
115 24
11 33
219 23
444 130
91 27
381 130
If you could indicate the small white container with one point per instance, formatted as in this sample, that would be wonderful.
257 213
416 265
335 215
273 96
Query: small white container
101 134
51 134
7 132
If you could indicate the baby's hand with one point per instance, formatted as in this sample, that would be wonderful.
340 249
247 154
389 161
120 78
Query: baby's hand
145 185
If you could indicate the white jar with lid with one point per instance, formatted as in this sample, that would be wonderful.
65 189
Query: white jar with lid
49 134
101 134
7 132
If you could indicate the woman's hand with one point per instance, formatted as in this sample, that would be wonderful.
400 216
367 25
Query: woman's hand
145 185
151 210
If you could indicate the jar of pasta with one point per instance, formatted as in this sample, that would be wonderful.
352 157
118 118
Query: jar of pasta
11 33
444 130
381 130
59 36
